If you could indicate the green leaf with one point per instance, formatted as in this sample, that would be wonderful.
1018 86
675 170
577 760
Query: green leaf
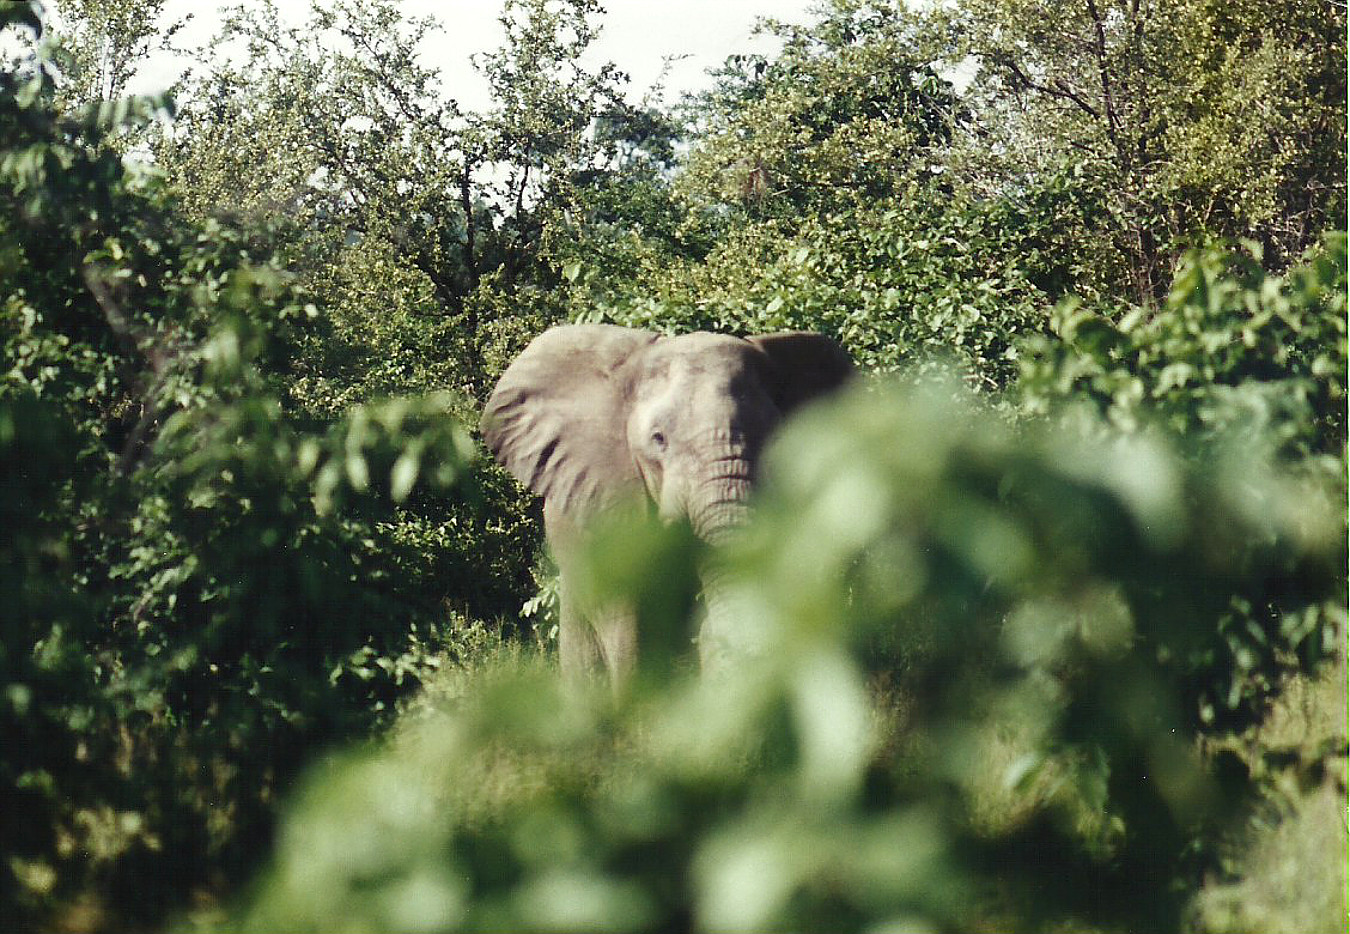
404 474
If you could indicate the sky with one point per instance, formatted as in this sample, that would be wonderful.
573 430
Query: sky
635 35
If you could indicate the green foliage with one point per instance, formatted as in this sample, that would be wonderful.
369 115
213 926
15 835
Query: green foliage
848 113
1231 349
426 230
1232 354
102 43
999 671
1190 120
824 188
197 599
50 706
895 282
421 224
1018 593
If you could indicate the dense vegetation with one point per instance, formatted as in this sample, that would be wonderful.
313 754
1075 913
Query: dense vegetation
1044 626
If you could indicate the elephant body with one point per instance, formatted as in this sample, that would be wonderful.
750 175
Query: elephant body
591 414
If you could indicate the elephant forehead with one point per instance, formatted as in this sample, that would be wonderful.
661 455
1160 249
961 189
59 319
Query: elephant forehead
701 353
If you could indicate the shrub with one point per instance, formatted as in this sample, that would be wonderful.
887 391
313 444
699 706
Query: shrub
196 597
1233 357
958 707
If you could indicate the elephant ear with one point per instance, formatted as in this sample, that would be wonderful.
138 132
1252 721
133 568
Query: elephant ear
557 419
804 366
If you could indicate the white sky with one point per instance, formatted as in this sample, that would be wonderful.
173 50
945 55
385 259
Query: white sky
635 35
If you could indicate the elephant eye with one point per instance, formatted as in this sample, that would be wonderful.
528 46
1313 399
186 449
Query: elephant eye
658 440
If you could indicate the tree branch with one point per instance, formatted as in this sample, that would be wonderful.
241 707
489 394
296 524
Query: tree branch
1103 72
158 353
1059 89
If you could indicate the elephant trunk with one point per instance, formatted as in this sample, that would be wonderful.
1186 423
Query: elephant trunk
719 503
720 520
726 632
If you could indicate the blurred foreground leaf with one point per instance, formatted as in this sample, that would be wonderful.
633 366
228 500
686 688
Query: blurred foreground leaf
979 660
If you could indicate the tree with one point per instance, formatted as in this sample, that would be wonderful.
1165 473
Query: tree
817 181
849 113
428 230
105 42
367 159
1186 120
194 600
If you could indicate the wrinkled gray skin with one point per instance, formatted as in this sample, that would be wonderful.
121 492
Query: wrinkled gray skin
591 413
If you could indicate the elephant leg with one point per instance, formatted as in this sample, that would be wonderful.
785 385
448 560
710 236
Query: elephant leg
593 641
616 633
729 631
579 652
596 644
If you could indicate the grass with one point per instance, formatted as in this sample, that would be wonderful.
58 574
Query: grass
1291 862
389 811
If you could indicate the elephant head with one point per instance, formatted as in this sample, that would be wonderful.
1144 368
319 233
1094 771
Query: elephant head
589 414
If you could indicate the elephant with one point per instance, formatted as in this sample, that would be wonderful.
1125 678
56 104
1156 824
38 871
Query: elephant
590 414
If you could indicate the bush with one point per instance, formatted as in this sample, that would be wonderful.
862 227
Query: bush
197 596
1233 357
898 282
1233 349
959 707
